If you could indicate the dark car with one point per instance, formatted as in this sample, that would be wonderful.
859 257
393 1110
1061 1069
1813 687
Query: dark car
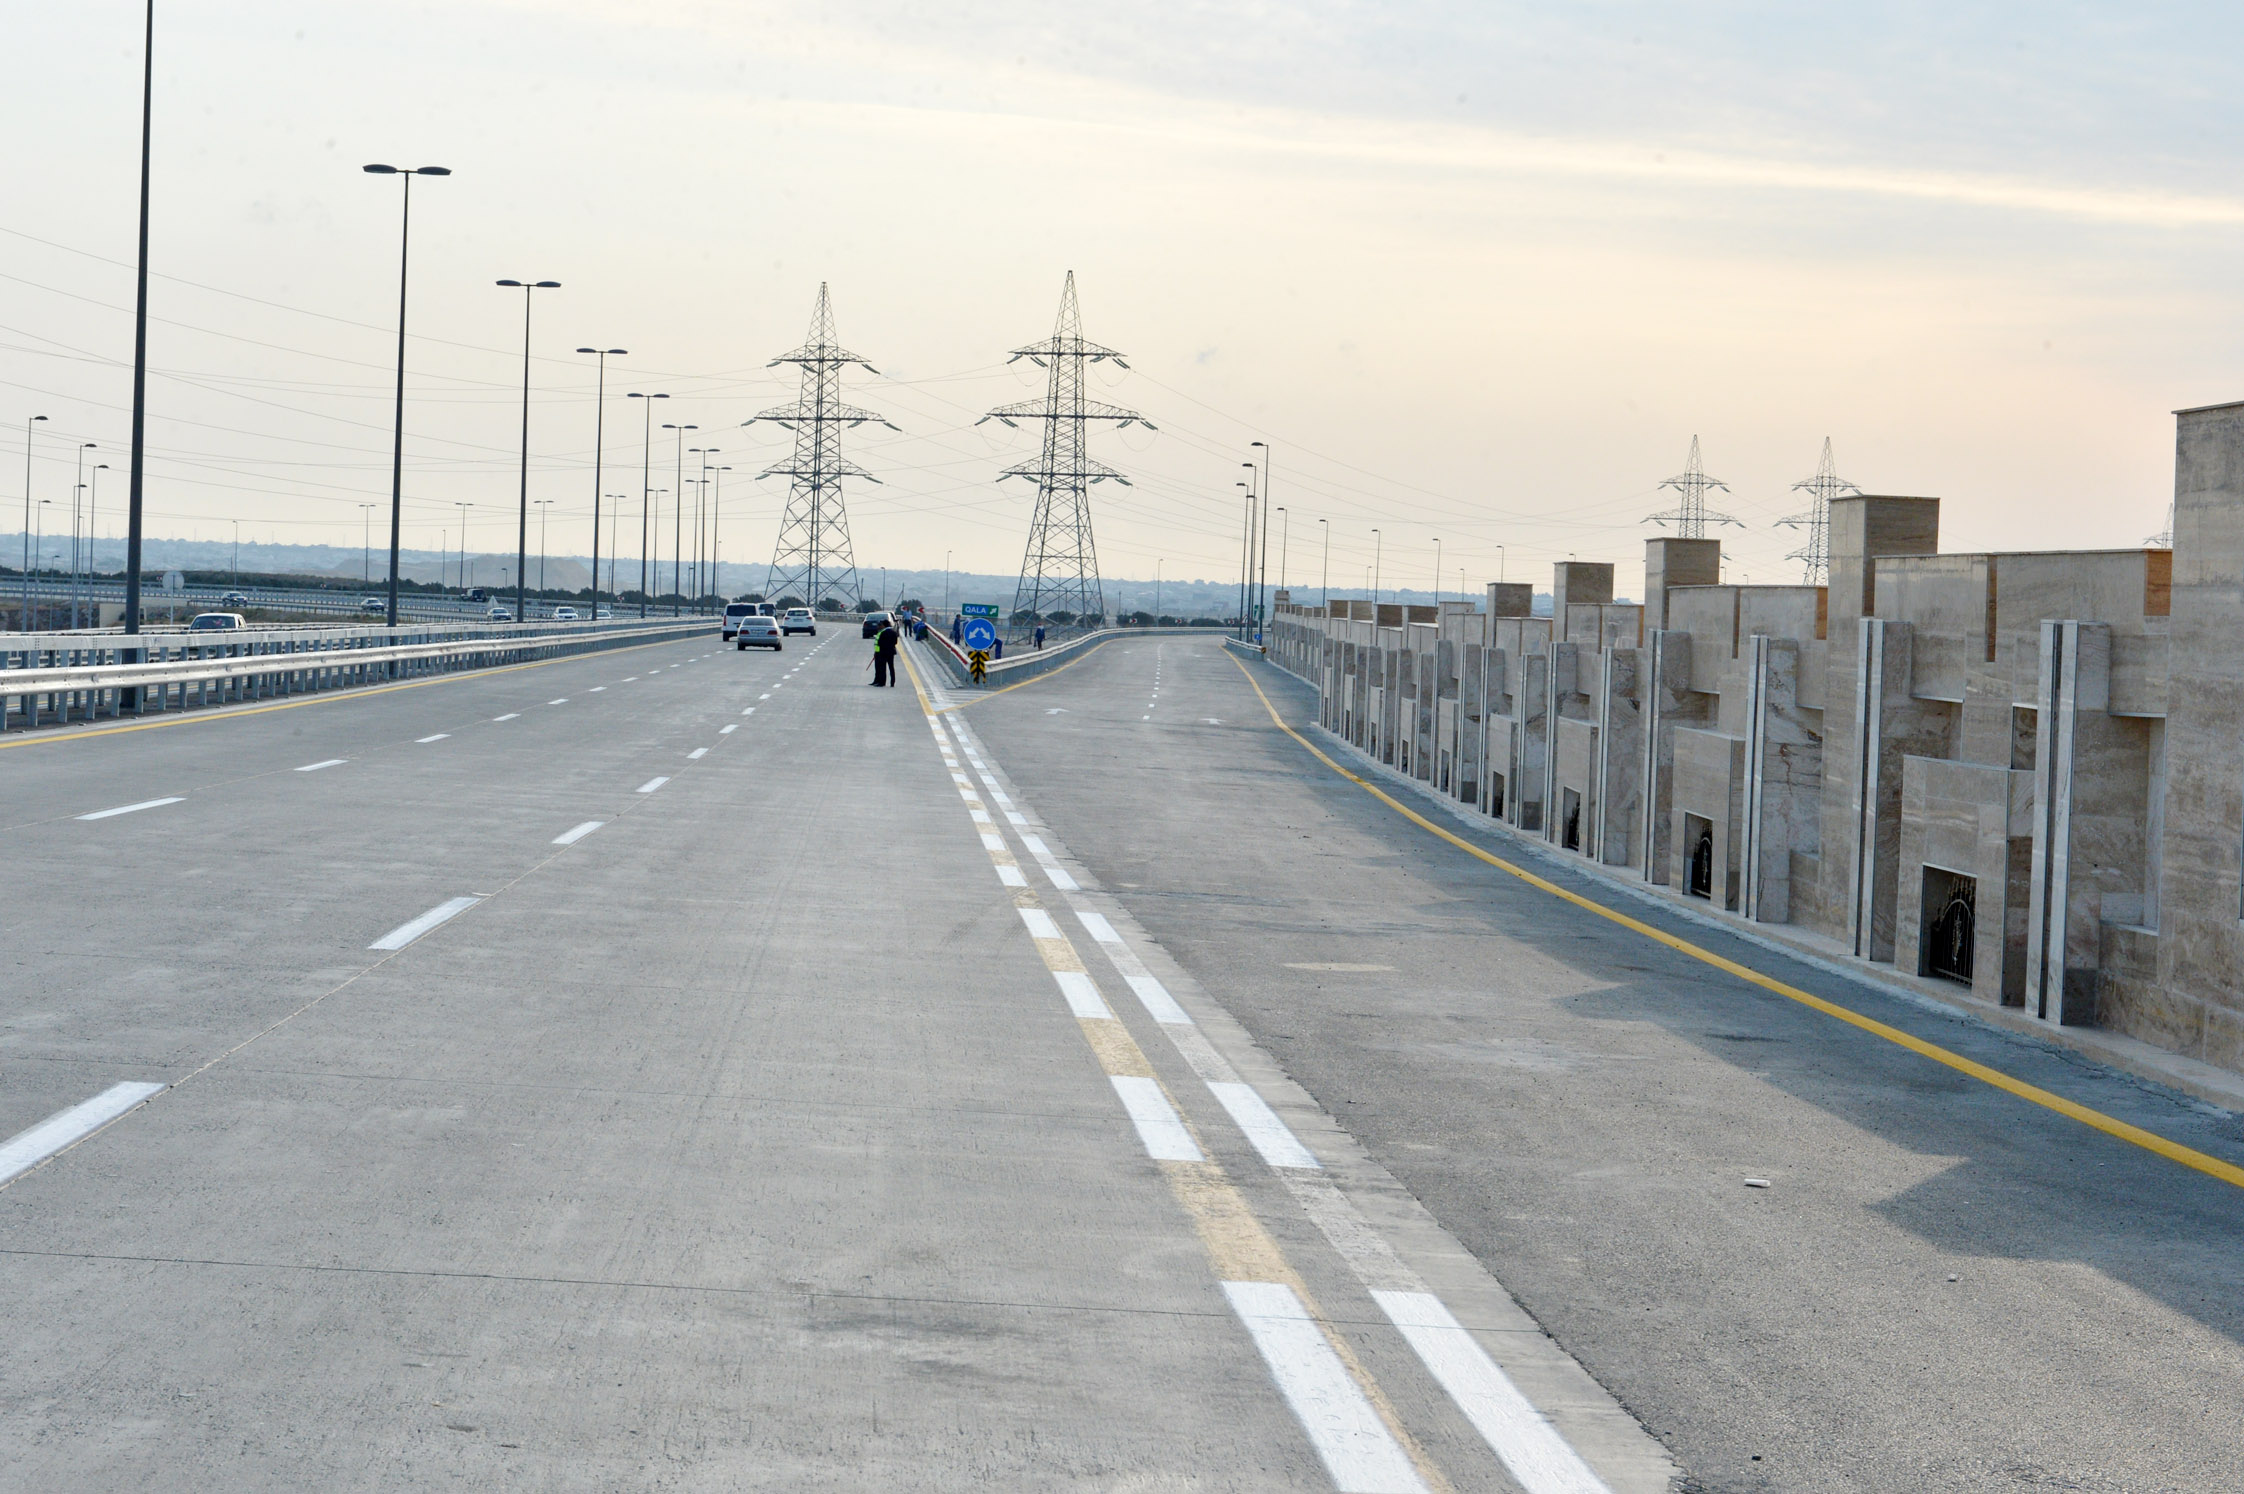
874 622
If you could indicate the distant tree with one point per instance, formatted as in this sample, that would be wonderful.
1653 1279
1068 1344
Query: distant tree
865 604
911 604
1141 619
753 596
1062 617
1024 616
832 604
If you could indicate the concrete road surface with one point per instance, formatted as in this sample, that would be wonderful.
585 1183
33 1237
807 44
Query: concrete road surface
680 1068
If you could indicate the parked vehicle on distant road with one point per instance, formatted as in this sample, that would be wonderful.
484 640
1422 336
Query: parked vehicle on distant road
734 612
565 614
799 620
602 613
874 622
374 604
478 594
499 615
234 599
217 622
758 632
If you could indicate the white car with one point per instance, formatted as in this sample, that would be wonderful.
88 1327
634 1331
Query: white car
799 620
216 622
499 615
734 612
564 614
757 632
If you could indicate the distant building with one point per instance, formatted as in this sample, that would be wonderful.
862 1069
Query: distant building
2020 774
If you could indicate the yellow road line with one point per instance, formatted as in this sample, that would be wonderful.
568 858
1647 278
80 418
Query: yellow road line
2149 1141
1038 680
329 697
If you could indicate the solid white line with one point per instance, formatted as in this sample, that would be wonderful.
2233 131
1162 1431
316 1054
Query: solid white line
1533 1451
728 730
424 741
1083 998
103 814
406 933
697 752
1157 1001
1270 1135
1358 1451
331 762
1165 1138
571 837
1040 924
652 784
509 716
34 1145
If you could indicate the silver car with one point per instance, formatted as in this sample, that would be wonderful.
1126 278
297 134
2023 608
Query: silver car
758 632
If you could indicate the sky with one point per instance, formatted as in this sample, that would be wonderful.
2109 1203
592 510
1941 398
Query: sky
1476 274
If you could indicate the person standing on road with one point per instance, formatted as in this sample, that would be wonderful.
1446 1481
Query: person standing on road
1040 635
958 629
884 655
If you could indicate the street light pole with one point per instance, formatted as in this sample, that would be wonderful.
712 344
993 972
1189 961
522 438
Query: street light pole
1285 533
128 698
1324 583
678 513
946 580
716 551
1375 546
93 511
366 544
1263 585
463 508
522 517
599 451
1437 578
545 511
646 476
1246 556
1157 593
397 437
28 423
75 551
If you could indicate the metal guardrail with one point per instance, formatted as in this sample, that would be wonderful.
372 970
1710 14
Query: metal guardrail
51 594
182 671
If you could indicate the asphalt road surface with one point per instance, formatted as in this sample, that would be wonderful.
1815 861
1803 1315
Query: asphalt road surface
679 1068
1943 1287
676 1068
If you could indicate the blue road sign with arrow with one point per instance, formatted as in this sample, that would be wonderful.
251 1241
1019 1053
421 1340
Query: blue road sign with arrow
979 634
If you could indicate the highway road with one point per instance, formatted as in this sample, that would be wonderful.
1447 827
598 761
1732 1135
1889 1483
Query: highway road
682 1068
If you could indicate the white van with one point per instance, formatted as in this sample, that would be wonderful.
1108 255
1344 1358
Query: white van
734 612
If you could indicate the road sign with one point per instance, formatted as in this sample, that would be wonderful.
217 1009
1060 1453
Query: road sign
979 634
978 664
977 609
174 581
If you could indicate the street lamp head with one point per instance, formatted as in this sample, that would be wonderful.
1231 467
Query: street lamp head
543 285
636 395
432 171
87 447
1258 443
603 352
383 170
38 417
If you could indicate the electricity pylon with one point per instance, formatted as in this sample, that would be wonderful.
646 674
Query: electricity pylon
1060 568
1691 516
1827 484
813 551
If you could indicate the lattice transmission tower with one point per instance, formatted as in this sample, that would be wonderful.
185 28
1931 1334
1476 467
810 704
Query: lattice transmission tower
1690 516
1827 484
813 553
1060 568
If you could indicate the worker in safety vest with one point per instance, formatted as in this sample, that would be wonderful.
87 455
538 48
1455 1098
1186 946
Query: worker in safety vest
884 654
